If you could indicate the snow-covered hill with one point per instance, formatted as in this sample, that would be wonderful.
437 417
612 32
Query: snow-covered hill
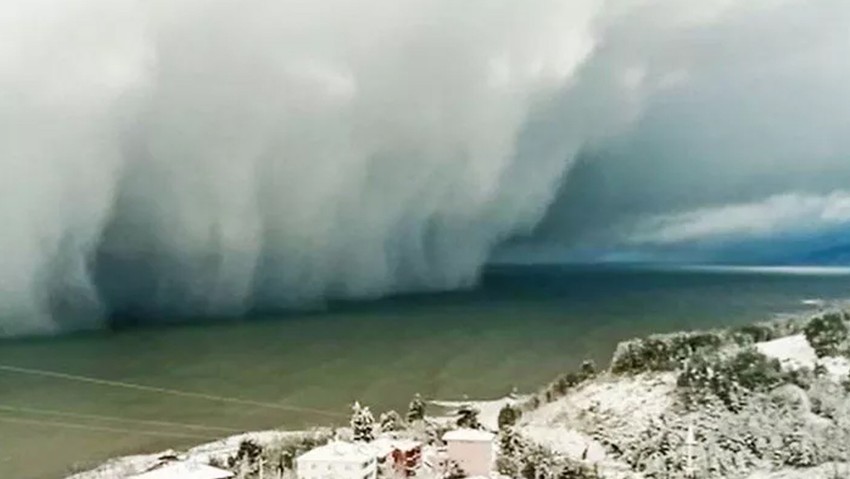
768 409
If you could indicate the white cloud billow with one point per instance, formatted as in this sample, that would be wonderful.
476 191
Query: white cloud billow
171 158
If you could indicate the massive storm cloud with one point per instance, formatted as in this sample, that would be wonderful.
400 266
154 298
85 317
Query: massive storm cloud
194 158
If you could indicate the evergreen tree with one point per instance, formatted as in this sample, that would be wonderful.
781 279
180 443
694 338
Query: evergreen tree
508 416
416 409
510 443
827 334
468 417
390 421
247 457
588 369
362 423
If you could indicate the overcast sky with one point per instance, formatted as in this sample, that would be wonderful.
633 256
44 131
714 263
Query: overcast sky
741 136
194 157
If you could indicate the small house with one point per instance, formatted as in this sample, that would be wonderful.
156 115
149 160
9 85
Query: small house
473 450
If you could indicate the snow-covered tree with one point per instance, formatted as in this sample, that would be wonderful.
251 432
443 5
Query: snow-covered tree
587 369
247 458
390 421
362 423
508 416
510 442
416 409
467 416
827 334
454 471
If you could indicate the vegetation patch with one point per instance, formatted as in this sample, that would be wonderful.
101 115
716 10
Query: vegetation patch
729 379
522 459
828 334
663 352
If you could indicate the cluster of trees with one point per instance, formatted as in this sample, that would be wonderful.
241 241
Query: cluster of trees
765 331
669 352
562 385
772 429
280 456
729 378
746 411
663 352
364 427
276 457
732 377
523 459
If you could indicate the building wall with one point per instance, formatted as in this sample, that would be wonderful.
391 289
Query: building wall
308 469
405 462
474 457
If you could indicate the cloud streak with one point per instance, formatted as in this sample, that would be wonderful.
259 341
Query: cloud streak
776 215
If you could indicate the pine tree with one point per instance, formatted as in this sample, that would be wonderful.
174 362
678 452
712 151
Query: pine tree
416 409
247 457
508 416
362 423
468 417
827 334
510 443
588 369
390 421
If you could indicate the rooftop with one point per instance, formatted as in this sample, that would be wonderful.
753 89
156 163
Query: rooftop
468 435
185 470
339 451
391 443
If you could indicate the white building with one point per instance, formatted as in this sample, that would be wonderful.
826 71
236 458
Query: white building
185 470
472 450
337 460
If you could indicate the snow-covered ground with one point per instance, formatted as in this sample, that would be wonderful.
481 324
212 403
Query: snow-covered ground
220 450
794 352
488 410
625 404
599 421
827 471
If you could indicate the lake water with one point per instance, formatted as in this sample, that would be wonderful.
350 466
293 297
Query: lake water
521 327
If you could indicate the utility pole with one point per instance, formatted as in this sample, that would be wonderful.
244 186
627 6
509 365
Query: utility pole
690 442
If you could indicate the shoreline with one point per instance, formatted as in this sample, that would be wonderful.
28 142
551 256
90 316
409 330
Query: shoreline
648 393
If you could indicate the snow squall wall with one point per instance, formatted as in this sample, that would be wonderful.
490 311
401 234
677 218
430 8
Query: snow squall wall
194 158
